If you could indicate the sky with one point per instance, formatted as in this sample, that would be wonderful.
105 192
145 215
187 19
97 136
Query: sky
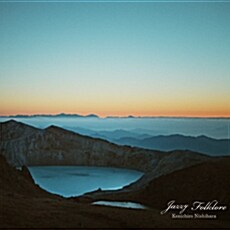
115 58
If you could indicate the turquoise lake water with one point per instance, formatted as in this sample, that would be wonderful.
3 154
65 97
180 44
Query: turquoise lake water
70 181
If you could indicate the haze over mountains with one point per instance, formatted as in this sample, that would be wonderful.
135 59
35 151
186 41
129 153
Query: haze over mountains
148 138
141 127
208 136
202 143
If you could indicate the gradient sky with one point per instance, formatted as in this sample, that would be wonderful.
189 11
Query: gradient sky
169 59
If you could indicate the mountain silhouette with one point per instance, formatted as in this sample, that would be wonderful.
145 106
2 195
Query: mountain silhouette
202 144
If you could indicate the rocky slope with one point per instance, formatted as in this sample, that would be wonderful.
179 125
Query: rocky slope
204 182
14 181
25 145
25 205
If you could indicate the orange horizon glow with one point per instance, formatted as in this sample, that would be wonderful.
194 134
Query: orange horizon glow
136 107
151 60
152 106
120 114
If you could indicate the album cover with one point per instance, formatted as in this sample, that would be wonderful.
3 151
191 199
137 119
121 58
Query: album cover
114 114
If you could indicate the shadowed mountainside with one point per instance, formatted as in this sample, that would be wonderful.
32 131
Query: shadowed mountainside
24 205
205 181
25 145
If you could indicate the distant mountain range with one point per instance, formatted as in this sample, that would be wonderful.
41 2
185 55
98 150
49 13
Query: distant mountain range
202 144
108 117
148 139
51 115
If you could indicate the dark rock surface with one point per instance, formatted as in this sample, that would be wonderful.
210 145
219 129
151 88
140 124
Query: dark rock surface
25 205
206 181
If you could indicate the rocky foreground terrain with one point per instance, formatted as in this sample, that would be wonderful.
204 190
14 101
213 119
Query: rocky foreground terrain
24 205
182 176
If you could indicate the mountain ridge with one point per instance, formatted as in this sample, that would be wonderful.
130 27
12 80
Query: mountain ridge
52 115
202 143
57 146
92 115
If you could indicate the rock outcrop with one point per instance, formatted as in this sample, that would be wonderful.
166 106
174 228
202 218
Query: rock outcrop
13 181
25 145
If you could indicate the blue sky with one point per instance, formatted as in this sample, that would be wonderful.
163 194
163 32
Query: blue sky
115 58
